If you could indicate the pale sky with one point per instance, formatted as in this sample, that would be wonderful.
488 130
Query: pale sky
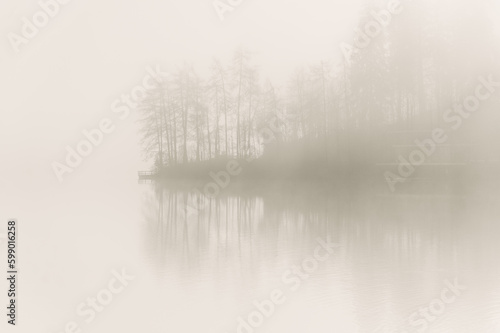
64 80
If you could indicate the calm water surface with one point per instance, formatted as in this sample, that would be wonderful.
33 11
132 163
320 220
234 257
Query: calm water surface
201 272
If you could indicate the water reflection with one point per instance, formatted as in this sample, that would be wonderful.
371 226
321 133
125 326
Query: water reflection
396 252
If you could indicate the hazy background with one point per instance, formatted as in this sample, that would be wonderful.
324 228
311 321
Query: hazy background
73 233
66 78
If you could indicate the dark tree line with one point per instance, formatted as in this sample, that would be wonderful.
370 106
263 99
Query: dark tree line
425 61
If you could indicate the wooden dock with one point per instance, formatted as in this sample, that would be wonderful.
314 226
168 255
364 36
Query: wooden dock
145 175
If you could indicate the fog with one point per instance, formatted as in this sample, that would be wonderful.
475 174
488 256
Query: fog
254 166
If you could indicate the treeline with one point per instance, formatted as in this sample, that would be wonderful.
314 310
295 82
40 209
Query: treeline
427 60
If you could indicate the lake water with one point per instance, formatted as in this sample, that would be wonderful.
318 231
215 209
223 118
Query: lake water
394 258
